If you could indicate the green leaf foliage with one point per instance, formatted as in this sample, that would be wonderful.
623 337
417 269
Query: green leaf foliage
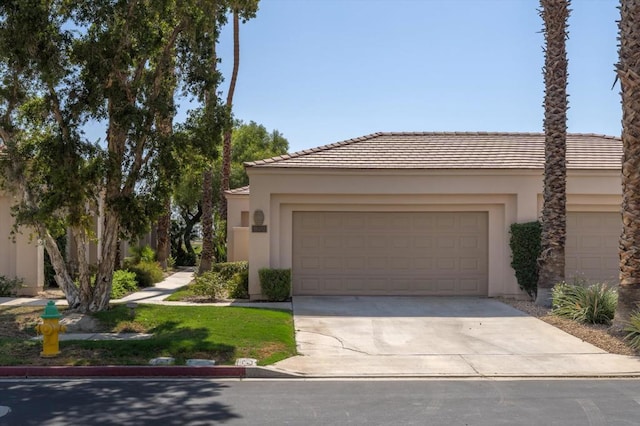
525 250
147 273
122 64
275 284
236 274
124 282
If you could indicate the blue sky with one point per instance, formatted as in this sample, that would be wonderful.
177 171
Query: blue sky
321 71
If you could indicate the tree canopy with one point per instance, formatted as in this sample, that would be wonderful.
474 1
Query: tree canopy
64 63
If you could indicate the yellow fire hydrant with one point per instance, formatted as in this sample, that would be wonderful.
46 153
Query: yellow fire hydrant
50 328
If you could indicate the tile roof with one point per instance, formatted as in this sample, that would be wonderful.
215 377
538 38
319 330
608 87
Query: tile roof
452 150
243 190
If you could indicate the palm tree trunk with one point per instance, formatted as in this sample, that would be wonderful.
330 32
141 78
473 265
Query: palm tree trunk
628 71
226 147
552 258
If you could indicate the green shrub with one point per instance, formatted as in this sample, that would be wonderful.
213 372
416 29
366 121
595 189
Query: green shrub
239 285
275 284
141 254
236 276
147 273
9 287
594 304
124 282
210 284
633 331
525 250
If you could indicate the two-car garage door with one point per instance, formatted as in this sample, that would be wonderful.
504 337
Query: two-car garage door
382 253
426 253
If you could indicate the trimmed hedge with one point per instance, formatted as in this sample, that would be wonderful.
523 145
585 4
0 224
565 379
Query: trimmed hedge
275 284
525 250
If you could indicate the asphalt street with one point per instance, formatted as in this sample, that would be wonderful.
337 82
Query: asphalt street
319 402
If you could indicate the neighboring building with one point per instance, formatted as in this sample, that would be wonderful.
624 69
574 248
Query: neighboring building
20 255
421 213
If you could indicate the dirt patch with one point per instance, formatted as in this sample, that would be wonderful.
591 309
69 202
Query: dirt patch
598 335
20 321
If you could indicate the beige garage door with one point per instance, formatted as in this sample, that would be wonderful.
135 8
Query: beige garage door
384 253
591 249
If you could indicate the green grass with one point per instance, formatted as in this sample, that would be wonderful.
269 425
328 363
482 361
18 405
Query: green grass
182 332
181 294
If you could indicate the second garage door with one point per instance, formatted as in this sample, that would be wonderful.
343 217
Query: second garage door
390 253
591 249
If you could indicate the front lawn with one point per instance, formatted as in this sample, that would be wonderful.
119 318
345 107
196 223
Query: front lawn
182 332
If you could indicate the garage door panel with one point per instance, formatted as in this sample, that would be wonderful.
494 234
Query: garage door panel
382 253
591 247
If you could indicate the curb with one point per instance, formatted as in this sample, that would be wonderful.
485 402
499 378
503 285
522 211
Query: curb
124 371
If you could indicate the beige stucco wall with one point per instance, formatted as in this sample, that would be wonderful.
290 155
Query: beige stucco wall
21 256
508 196
237 231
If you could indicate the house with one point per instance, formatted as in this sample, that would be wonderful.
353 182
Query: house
421 213
20 254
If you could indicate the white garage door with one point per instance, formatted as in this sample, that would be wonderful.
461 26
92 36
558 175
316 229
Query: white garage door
591 248
385 253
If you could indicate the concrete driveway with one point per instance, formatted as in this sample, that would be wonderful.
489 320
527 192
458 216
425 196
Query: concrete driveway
436 336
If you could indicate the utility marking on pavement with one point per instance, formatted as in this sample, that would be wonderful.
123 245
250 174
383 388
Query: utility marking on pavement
637 399
594 415
4 410
434 405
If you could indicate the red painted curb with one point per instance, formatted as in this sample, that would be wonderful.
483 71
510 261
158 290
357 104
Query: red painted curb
123 371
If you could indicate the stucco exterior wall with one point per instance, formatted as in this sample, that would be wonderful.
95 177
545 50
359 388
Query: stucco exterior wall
21 256
508 196
237 227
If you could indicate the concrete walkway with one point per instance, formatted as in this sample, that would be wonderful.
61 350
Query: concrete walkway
437 337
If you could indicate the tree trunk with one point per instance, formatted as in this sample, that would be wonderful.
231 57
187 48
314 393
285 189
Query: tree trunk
226 146
551 262
190 222
206 257
62 277
79 236
163 248
104 277
628 71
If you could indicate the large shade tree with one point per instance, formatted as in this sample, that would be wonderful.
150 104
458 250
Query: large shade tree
551 262
66 63
628 71
251 141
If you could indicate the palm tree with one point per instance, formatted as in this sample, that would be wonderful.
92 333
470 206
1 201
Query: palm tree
226 146
551 262
628 71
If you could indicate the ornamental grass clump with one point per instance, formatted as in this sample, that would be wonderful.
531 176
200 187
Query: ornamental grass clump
633 331
595 304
